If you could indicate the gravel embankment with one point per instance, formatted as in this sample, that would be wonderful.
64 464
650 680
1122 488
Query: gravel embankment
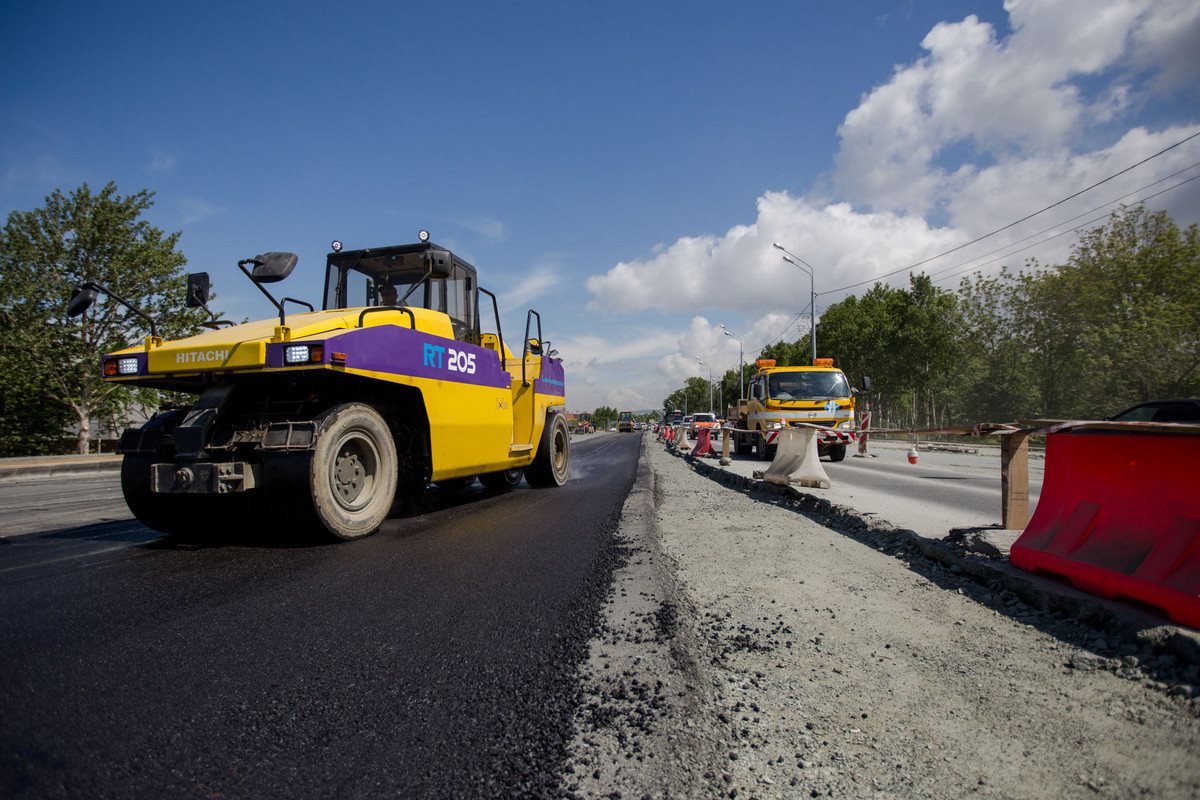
750 651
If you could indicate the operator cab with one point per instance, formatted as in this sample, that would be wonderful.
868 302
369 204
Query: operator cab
423 275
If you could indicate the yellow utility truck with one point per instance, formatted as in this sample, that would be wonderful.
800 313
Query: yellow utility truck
323 418
789 396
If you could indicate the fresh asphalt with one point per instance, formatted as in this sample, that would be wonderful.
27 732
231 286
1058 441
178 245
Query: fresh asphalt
437 658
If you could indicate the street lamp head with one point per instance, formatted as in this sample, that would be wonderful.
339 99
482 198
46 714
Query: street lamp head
776 246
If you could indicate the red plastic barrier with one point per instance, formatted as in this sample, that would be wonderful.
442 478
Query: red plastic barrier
1119 516
703 443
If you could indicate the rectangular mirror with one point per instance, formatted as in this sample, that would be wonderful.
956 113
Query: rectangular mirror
197 290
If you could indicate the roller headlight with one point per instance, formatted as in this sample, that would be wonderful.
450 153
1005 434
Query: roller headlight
303 354
127 365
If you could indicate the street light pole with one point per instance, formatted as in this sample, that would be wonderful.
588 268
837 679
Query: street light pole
741 363
710 408
800 262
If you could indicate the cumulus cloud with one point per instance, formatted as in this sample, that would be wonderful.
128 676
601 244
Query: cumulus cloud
1008 100
741 273
979 132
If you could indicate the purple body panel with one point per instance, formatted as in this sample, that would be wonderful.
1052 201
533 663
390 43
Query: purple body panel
394 350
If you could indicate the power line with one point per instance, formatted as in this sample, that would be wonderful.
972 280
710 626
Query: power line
1016 222
1073 229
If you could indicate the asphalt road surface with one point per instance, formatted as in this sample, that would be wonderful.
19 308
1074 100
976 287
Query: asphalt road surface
437 658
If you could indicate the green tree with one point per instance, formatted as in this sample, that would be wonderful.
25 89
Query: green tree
691 398
995 380
1136 284
602 416
45 253
28 424
905 340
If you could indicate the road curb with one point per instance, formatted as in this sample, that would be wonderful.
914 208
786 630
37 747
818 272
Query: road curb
51 466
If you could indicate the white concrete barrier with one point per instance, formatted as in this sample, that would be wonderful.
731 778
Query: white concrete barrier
796 460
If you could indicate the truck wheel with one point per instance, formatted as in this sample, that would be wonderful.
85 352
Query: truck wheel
552 463
505 479
837 452
741 447
765 451
352 472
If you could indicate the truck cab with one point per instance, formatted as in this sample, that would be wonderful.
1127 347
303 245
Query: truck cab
788 396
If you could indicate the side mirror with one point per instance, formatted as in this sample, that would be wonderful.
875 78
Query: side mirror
82 297
197 290
535 347
866 384
272 267
439 263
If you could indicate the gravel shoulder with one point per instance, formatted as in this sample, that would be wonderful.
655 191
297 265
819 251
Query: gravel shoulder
755 645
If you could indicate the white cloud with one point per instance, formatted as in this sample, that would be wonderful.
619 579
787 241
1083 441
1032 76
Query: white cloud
740 273
536 282
193 209
1166 41
1008 100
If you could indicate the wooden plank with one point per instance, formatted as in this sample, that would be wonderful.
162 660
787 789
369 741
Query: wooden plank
1014 480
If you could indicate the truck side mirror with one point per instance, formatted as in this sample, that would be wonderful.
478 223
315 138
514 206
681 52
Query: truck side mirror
82 297
197 290
272 267
866 384
439 263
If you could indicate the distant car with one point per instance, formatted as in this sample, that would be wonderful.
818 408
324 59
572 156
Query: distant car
703 420
1179 410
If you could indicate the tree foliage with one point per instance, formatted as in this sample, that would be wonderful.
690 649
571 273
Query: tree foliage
53 362
604 415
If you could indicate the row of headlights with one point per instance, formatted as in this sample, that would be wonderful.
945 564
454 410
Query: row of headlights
293 355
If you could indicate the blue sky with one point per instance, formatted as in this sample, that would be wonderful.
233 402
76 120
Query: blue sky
623 168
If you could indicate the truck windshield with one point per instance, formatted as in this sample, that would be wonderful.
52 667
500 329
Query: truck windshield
807 386
356 279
